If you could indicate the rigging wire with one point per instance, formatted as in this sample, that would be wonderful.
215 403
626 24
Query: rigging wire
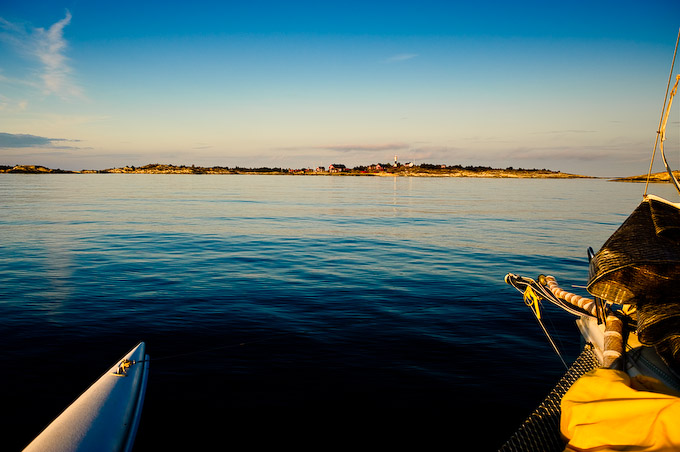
663 110
539 319
552 342
558 337
663 134
533 294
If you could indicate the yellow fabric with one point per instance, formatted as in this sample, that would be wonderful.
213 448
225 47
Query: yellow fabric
605 411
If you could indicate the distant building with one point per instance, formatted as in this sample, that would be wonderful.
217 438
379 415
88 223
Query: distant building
337 168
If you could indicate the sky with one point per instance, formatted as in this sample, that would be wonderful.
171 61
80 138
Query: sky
571 86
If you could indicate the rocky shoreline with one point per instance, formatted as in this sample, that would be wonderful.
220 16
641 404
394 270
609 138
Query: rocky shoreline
654 178
410 171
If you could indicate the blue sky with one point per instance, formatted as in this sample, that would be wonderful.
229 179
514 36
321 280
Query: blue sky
576 87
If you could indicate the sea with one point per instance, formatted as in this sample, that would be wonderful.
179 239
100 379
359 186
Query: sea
312 312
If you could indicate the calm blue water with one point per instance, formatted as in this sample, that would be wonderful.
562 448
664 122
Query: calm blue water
310 311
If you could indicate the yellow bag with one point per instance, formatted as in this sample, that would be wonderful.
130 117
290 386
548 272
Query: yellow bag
606 410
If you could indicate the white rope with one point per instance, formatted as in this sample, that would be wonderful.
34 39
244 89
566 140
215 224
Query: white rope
587 304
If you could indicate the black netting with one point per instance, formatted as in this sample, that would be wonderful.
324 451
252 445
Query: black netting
641 257
659 326
640 264
540 432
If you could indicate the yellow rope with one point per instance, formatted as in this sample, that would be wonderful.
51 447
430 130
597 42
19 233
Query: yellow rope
531 299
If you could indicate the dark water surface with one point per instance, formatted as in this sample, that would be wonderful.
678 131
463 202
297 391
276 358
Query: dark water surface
307 311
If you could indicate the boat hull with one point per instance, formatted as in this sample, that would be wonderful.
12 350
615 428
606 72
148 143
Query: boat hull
106 416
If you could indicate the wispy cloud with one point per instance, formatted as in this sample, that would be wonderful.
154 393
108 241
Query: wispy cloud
48 47
10 32
12 105
366 147
565 131
581 153
20 140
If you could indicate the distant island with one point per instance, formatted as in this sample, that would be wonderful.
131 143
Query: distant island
656 177
423 170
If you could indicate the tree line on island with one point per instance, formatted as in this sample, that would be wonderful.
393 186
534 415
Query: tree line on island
379 169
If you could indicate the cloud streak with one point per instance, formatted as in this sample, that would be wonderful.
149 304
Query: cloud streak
20 140
366 147
580 153
48 47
